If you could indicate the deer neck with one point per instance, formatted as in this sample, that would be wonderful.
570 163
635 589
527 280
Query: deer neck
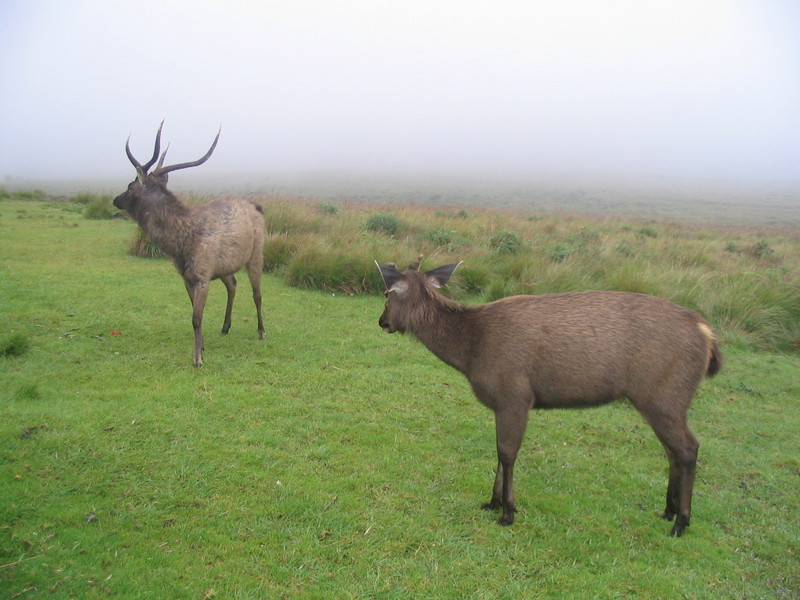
168 224
446 331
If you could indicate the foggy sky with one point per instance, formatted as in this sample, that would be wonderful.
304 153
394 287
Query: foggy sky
675 88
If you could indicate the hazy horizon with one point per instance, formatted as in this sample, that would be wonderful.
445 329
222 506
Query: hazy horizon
678 90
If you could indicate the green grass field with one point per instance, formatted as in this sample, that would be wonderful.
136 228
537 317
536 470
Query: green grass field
334 461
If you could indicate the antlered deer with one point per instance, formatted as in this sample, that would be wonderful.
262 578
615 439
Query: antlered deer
567 350
211 241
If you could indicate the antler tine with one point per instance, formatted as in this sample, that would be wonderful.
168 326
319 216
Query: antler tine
134 162
414 266
144 168
163 156
164 170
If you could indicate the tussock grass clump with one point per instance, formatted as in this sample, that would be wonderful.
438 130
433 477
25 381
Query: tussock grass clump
761 250
28 391
143 247
326 208
439 236
333 272
383 223
278 252
97 207
32 195
85 198
475 279
284 217
14 345
507 242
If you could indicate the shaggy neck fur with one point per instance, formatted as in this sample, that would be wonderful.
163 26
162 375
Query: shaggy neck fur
167 223
441 324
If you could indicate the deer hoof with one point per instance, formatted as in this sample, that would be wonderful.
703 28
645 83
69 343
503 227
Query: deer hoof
506 519
681 523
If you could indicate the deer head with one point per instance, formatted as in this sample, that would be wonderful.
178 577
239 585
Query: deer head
145 181
409 292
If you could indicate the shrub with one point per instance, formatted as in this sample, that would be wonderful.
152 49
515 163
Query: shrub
98 207
559 252
761 250
141 246
328 209
507 242
439 236
83 198
383 223
647 232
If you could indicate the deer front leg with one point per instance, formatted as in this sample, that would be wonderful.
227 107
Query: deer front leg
510 424
198 292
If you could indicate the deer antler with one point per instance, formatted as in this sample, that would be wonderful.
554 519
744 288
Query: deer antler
414 266
160 170
142 169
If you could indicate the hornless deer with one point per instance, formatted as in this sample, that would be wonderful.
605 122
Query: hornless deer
567 350
211 241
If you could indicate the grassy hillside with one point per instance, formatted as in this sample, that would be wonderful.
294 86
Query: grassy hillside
334 461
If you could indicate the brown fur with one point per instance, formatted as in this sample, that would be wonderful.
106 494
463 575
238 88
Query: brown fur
211 241
565 351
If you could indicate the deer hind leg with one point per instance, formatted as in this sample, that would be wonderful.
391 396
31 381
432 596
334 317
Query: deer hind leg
230 285
198 293
669 424
510 425
254 268
497 491
673 488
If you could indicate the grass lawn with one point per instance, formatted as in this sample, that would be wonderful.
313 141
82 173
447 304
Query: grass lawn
334 461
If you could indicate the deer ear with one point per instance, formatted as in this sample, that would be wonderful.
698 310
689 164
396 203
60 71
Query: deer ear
441 275
392 278
399 287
